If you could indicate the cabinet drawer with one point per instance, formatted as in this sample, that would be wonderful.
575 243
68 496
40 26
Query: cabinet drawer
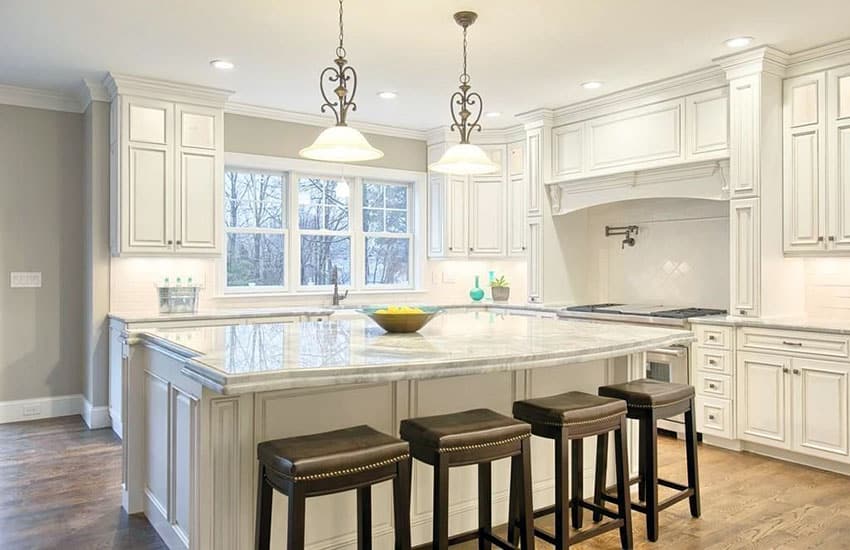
714 385
714 417
713 360
810 344
714 337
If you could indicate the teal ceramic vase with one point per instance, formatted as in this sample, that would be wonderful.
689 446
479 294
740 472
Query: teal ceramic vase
477 293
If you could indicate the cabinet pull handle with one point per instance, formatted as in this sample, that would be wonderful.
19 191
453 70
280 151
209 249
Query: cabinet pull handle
796 371
785 370
787 343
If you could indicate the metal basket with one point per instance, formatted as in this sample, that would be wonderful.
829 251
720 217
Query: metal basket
178 299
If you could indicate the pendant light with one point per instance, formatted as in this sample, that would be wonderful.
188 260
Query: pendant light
340 143
465 158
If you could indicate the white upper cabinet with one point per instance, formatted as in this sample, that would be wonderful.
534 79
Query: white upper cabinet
689 129
482 215
745 129
167 169
816 163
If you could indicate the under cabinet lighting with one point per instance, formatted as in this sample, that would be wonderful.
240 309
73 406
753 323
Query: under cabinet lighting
222 64
739 42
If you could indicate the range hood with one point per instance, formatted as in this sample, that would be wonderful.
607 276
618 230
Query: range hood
696 180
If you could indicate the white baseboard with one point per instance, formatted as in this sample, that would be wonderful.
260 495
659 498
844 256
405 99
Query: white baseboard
41 407
95 417
117 426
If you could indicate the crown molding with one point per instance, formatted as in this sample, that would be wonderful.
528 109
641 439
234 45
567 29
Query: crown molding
39 99
536 118
283 115
167 90
764 59
91 90
819 58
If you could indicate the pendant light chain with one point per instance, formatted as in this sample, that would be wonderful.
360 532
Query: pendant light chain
340 51
464 77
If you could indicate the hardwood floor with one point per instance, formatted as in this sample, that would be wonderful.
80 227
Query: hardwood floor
60 488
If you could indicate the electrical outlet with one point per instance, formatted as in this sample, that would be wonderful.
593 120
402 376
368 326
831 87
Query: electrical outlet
25 279
31 410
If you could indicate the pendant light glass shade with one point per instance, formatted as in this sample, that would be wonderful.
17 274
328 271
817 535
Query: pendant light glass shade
341 144
463 159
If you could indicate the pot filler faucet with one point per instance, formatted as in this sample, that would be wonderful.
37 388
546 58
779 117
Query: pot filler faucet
624 230
337 297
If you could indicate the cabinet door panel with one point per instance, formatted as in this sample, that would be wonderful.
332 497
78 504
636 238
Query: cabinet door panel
487 228
838 149
707 121
199 203
436 215
534 172
763 399
516 197
744 119
149 121
567 150
820 408
535 261
636 136
803 224
457 212
745 259
197 129
150 202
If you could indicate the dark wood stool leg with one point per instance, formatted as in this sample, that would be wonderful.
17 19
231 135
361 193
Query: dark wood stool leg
624 504
440 538
601 480
485 504
642 442
651 464
693 465
401 504
263 533
526 506
364 518
562 476
514 504
577 489
295 525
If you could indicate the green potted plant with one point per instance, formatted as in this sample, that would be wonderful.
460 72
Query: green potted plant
500 289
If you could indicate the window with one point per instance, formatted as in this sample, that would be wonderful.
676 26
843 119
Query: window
387 236
323 220
289 231
255 224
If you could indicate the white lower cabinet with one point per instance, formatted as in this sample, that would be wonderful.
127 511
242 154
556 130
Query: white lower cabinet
794 403
715 417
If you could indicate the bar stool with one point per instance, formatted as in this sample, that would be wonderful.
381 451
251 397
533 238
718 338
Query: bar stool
569 418
648 401
477 436
333 462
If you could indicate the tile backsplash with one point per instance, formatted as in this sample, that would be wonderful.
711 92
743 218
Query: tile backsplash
680 257
828 288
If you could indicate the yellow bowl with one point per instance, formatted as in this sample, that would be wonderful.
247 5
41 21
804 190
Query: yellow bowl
401 322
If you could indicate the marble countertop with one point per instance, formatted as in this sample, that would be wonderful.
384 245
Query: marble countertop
261 357
293 311
833 326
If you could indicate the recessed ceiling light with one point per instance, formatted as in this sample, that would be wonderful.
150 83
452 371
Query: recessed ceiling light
591 85
739 41
222 64
493 114
388 94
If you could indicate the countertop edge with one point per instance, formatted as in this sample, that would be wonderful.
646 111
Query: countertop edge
776 323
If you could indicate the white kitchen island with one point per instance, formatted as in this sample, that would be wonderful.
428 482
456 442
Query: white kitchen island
200 399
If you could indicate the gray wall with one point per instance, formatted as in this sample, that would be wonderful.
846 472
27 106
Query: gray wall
41 213
262 136
96 255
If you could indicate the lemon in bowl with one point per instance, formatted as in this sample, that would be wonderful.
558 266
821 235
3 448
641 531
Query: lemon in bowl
401 319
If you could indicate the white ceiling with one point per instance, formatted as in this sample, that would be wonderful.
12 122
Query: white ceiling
523 55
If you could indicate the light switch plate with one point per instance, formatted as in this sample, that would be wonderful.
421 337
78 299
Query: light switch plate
25 279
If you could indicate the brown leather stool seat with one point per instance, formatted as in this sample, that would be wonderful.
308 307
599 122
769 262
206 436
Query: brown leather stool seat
477 436
649 401
568 418
649 394
332 462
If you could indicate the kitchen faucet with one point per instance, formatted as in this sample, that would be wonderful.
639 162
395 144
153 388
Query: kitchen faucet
337 297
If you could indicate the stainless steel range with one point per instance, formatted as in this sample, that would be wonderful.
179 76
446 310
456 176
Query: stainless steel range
665 364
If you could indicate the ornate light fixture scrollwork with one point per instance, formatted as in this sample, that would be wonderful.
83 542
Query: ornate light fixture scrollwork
340 143
466 108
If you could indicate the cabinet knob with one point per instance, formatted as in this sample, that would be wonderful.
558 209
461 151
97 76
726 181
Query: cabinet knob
450 248
820 239
796 371
471 249
832 238
179 242
742 311
170 241
712 362
785 370
712 337
713 386
523 248
711 417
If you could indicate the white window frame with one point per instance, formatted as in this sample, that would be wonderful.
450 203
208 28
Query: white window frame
411 220
354 175
283 230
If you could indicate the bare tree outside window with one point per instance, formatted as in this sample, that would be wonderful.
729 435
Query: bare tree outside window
386 212
324 223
